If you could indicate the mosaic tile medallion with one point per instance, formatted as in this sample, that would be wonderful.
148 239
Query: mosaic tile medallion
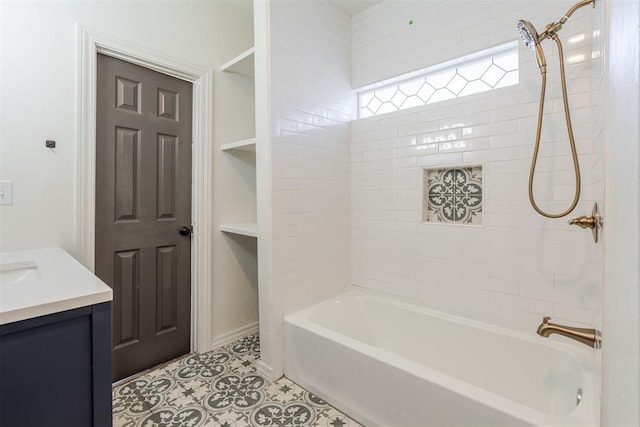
453 195
220 389
142 395
205 366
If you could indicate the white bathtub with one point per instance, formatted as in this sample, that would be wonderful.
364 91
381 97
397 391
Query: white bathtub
388 362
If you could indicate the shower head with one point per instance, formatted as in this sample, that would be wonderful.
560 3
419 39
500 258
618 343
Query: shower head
528 33
532 38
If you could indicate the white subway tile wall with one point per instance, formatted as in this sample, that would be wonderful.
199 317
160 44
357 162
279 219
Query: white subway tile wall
312 107
517 266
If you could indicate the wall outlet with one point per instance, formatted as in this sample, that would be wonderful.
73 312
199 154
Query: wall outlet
6 192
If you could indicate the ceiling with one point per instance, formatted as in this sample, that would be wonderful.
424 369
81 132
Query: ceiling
354 6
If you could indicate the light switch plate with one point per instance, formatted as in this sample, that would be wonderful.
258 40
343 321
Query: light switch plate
6 192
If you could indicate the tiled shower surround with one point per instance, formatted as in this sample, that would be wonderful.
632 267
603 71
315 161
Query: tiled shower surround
517 266
312 106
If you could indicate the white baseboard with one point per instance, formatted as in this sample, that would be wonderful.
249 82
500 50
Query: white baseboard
265 370
236 334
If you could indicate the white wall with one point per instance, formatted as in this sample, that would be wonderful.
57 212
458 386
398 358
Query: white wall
38 86
38 90
621 358
518 266
311 107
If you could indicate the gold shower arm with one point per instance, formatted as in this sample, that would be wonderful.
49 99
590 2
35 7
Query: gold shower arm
551 29
576 7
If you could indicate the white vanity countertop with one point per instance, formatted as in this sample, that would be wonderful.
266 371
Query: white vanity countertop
45 281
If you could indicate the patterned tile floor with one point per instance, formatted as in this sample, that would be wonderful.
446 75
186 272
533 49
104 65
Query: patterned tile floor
222 389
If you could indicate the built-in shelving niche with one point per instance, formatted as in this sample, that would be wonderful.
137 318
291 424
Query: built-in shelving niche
235 284
243 66
244 145
245 229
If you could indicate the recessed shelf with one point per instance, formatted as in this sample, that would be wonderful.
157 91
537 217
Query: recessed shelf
244 145
241 64
245 229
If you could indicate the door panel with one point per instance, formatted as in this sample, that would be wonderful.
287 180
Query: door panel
167 153
126 286
143 197
127 169
167 289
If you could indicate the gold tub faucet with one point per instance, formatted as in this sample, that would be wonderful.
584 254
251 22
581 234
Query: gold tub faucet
589 337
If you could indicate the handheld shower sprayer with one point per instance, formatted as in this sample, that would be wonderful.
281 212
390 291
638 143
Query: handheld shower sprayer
533 41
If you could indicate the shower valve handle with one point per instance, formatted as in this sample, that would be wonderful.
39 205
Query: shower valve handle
594 222
584 222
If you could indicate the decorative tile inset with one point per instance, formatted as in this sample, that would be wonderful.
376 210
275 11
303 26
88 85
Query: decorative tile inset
453 195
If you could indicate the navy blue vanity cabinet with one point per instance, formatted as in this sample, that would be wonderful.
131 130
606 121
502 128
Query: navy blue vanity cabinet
55 370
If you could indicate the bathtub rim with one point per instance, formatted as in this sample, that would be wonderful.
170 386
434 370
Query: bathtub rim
583 414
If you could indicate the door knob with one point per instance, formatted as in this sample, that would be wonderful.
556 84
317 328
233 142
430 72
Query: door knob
185 231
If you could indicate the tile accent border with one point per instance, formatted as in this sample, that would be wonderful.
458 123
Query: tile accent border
453 195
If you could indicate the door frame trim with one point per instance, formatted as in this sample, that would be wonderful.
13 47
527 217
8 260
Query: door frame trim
90 43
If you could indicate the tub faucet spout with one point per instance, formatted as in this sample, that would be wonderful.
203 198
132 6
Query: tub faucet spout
589 337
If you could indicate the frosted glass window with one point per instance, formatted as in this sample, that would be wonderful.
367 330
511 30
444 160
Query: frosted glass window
454 79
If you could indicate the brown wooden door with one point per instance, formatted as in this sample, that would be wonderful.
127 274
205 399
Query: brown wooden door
143 199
